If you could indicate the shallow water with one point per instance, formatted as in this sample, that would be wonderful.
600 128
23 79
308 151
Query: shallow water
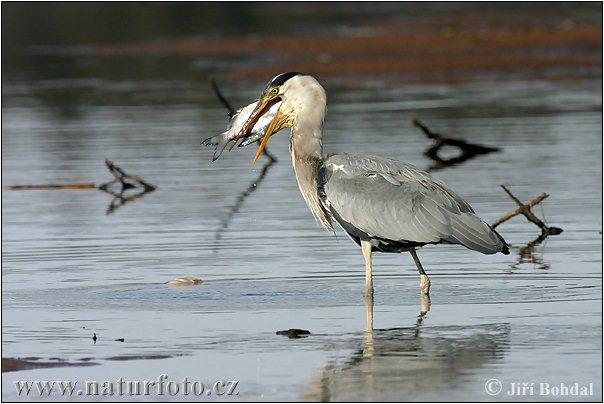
70 269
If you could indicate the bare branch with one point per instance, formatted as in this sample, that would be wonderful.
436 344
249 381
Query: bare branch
221 97
525 209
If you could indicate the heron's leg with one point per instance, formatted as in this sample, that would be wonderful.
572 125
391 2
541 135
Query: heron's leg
424 281
366 247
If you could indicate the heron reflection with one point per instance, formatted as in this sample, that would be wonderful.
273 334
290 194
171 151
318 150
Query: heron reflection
418 362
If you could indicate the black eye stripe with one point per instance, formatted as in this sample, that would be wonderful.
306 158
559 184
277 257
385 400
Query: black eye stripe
282 78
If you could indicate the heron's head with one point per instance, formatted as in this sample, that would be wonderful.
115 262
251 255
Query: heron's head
297 92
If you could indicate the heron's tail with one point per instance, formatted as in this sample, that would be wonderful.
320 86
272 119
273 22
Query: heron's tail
472 232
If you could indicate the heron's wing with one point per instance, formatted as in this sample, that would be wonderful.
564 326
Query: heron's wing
395 201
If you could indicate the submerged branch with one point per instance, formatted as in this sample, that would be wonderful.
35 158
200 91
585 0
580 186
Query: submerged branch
135 186
69 185
468 150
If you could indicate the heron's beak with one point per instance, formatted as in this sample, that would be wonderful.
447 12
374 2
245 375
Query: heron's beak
277 123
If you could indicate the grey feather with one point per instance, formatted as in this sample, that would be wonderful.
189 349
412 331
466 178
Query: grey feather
397 202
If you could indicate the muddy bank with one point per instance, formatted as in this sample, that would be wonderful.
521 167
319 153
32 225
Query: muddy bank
476 46
16 364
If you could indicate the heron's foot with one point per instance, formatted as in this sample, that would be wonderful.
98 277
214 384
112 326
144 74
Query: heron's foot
424 285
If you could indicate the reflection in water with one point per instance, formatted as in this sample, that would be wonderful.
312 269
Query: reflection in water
529 254
122 197
405 363
224 223
124 188
424 304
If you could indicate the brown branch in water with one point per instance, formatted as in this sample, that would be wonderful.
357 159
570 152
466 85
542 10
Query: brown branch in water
536 200
468 150
70 185
127 182
135 186
525 209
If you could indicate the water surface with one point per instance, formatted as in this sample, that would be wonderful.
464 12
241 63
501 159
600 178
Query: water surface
71 270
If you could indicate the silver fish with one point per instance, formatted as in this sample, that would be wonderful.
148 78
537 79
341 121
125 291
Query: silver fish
236 123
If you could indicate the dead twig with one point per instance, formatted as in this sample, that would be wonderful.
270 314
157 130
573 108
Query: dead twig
525 209
135 186
70 185
221 97
468 150
126 181
518 211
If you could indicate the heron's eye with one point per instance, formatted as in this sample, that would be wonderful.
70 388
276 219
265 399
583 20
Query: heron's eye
275 91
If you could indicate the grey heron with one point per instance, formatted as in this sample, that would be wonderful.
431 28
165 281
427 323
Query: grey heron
384 205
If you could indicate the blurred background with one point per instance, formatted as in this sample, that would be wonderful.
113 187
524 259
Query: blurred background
128 82
384 42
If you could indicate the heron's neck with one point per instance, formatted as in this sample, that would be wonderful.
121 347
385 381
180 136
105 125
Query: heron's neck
306 148
307 137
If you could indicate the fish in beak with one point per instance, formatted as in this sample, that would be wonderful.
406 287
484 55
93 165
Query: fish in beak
279 121
256 133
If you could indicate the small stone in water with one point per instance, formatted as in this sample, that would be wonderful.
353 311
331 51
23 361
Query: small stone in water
185 281
294 333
